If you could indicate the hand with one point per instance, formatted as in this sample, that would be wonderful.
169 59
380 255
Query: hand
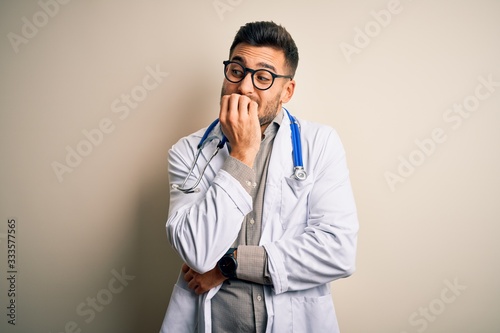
201 283
240 124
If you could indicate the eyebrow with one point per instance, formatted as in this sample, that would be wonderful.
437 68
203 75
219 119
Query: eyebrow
260 64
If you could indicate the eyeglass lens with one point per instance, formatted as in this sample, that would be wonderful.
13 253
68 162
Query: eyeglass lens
262 79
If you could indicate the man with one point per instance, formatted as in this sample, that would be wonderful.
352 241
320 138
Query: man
260 246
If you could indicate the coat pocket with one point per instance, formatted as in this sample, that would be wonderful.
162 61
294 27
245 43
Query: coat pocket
294 201
314 314
182 312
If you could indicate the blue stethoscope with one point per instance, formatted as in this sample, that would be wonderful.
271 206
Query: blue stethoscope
298 167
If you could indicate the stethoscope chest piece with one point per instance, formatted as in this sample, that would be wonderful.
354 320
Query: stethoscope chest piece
299 173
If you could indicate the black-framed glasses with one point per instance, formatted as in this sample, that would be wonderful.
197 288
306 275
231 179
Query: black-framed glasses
262 79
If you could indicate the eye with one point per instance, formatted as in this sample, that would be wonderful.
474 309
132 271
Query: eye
237 72
263 76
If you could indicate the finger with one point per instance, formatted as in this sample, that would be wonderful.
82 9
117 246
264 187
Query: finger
189 275
230 115
253 109
199 290
224 104
233 105
185 268
243 104
192 285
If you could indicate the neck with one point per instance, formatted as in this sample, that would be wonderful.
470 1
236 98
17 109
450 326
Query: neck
268 120
263 127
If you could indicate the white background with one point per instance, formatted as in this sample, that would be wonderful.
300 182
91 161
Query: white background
437 225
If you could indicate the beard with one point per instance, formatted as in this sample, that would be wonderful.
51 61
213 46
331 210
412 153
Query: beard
268 111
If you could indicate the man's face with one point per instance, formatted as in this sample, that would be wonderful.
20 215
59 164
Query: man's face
261 57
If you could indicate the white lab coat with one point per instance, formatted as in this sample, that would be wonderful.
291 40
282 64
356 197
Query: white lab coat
309 229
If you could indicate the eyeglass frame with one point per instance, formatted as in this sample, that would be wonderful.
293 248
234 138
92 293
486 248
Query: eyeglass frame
247 70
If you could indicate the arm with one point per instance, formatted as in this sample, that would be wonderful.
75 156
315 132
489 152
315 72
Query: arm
324 249
251 259
254 259
202 226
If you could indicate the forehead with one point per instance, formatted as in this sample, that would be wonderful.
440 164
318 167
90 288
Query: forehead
259 57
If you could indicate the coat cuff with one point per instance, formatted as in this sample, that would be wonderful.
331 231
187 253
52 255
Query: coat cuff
276 269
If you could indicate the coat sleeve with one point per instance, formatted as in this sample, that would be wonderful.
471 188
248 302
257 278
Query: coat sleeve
325 250
201 226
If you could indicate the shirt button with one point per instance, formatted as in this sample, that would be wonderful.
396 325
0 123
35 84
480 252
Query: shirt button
252 221
259 298
249 183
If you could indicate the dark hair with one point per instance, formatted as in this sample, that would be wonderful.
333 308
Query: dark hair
269 34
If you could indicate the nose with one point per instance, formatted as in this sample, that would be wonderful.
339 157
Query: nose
246 85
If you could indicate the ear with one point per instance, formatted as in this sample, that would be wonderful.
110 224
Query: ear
288 90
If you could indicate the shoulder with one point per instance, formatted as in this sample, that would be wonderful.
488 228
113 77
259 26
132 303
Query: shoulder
186 147
193 139
190 138
317 132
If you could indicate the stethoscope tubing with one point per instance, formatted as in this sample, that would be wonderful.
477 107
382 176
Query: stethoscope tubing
297 146
299 172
